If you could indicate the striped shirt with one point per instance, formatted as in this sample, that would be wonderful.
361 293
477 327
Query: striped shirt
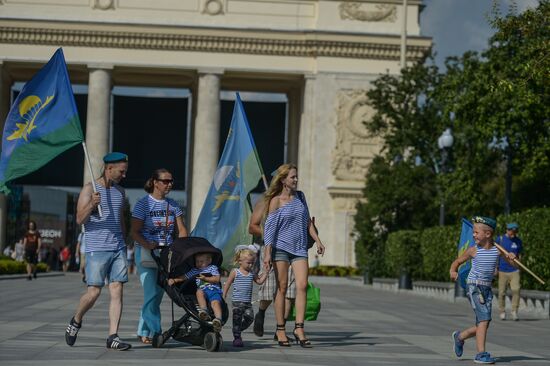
483 266
157 226
242 286
286 227
104 234
203 284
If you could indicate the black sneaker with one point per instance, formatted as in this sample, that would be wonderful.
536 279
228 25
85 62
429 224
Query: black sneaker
259 323
71 332
114 342
34 275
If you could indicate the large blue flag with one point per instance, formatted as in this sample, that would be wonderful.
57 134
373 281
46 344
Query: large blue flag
42 123
226 211
466 241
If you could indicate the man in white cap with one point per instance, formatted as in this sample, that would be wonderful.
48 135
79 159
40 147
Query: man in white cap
105 246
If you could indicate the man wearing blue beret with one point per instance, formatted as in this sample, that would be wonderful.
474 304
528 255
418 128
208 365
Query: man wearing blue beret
507 274
100 211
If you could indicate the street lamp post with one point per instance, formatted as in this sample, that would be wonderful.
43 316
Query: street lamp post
445 142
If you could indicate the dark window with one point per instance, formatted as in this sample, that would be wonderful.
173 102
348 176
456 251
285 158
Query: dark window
153 132
267 124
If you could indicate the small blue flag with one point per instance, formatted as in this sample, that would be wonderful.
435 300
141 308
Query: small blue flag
466 241
226 211
42 123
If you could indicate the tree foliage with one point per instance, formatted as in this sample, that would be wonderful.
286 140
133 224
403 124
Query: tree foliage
498 106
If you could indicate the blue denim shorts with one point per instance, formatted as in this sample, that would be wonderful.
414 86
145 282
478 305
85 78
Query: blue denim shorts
110 266
212 294
283 255
481 299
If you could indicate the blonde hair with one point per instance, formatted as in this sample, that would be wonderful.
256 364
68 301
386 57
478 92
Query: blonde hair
241 254
276 185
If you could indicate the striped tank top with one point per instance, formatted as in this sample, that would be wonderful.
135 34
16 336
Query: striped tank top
483 266
242 287
286 227
104 234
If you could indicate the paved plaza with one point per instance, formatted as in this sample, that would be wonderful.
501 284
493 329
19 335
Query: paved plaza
357 326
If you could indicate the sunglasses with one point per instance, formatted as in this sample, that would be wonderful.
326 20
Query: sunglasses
479 220
166 181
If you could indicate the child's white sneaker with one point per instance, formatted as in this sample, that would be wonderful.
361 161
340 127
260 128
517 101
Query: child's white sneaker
502 316
515 315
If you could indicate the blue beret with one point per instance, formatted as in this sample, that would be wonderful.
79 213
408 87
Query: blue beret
115 157
489 221
512 226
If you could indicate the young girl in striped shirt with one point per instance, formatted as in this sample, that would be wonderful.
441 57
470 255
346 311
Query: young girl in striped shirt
242 279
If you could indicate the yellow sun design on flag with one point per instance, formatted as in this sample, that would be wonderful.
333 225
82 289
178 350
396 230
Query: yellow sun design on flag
29 108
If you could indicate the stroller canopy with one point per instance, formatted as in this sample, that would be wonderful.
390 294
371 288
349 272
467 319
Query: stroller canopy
182 253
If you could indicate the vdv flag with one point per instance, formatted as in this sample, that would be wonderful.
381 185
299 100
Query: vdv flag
226 211
466 241
42 123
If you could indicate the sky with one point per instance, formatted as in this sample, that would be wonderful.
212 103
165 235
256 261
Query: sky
457 26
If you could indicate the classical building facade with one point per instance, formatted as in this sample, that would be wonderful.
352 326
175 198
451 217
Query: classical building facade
323 54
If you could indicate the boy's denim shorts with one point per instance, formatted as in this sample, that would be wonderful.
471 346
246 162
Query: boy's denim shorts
110 266
212 294
481 299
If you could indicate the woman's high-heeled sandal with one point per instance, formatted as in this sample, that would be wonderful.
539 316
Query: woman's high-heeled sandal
281 343
305 343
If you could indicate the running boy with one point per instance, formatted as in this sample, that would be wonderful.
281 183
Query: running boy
208 288
484 257
241 298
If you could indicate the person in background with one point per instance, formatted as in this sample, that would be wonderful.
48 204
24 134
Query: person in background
508 274
80 254
130 258
65 257
32 243
19 251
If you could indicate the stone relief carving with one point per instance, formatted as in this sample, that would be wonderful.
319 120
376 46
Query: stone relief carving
103 4
354 148
355 11
213 7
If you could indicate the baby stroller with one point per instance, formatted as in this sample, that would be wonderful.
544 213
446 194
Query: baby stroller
175 261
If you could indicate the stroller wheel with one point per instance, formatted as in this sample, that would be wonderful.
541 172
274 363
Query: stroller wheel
211 343
220 342
158 341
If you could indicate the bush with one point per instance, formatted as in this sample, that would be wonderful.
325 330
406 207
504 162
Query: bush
334 271
9 266
403 253
438 247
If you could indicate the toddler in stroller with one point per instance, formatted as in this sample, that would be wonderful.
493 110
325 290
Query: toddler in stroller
188 273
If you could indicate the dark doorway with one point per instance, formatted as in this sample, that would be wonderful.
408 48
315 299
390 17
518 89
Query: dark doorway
153 132
267 124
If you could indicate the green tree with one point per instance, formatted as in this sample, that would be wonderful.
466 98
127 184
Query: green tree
497 104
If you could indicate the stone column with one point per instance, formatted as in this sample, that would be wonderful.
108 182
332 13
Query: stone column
206 139
5 87
306 148
97 119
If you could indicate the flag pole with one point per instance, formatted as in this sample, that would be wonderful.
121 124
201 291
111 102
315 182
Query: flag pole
520 264
264 179
91 174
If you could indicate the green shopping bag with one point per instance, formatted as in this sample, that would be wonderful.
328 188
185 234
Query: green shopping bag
313 304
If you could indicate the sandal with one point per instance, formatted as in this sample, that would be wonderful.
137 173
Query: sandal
286 343
305 343
145 340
